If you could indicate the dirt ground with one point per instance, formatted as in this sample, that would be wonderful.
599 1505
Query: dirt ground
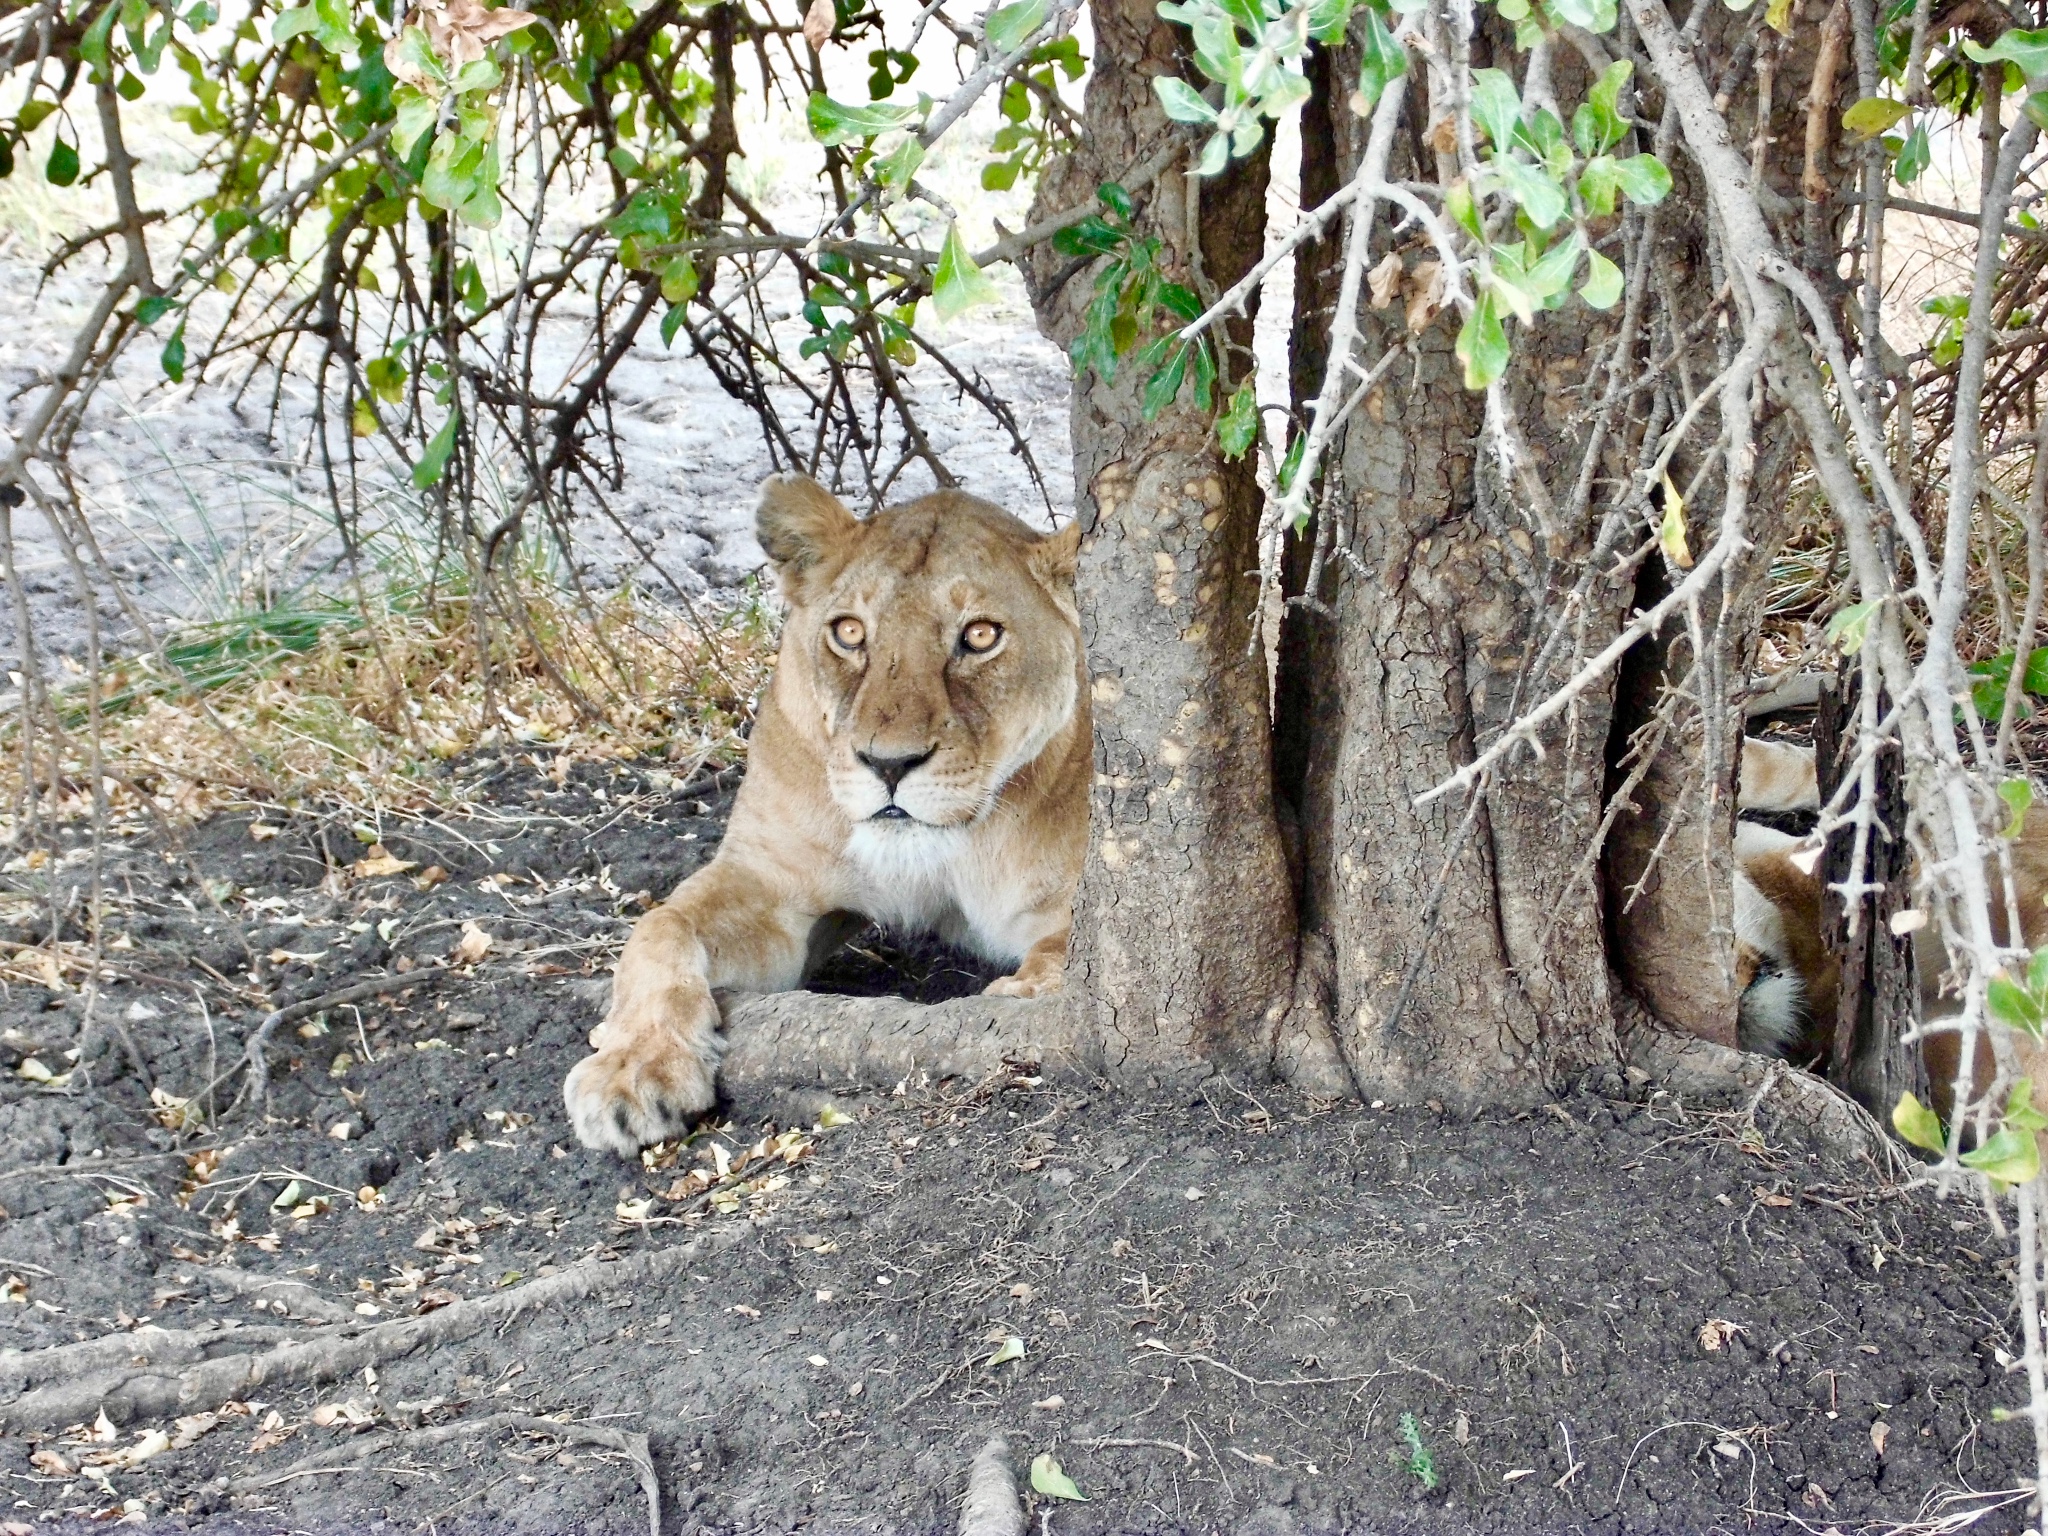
1232 1310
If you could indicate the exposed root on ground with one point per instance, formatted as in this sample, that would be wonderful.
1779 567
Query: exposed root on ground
139 1390
808 1039
1816 1107
348 1458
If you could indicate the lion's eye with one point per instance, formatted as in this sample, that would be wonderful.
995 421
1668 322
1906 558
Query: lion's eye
850 633
981 635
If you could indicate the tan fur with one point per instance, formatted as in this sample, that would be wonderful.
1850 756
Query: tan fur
1787 931
991 848
1797 898
1778 776
1941 1052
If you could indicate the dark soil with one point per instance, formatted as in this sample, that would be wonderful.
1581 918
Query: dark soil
1239 1311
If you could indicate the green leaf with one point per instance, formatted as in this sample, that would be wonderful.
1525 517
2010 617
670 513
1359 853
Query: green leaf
173 357
1183 103
2014 1006
1113 197
2020 1113
1163 388
1290 466
93 46
646 213
1595 16
1918 1124
435 459
1603 282
1671 530
1327 20
1238 427
958 284
1552 274
895 169
1874 115
832 122
1009 27
1381 58
1778 17
1048 1479
1914 156
417 113
2018 796
2037 973
679 279
1847 629
1483 343
1643 178
2036 108
1541 198
152 308
1600 184
363 417
6 157
673 322
1496 107
2010 1156
2028 50
1609 126
62 167
289 24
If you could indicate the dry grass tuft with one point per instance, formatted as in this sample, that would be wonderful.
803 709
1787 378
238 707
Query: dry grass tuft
360 704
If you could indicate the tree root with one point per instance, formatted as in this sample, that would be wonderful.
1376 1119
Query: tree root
1816 1107
22 1369
293 1297
799 1039
133 1392
350 1456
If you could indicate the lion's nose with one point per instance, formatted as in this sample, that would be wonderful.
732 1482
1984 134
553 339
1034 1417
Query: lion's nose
894 770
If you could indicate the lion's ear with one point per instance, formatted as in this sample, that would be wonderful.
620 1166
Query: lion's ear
799 524
1054 556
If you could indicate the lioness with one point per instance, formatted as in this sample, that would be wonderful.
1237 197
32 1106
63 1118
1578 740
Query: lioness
922 759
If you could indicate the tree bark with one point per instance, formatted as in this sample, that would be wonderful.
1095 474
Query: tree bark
1469 961
1880 997
1184 925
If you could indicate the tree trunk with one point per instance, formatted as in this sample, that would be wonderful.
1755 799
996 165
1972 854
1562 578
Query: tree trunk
1469 962
1184 926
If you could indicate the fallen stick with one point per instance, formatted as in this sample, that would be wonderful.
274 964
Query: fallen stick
252 1053
346 1457
144 1393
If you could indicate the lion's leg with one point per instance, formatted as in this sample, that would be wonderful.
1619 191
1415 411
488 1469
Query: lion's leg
1044 968
657 1051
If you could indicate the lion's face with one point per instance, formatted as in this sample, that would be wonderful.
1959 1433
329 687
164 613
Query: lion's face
934 648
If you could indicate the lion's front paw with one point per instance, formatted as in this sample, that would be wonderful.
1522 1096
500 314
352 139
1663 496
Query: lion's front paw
1024 984
627 1096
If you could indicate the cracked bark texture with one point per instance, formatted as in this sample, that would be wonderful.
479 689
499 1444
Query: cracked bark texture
1184 926
1434 605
